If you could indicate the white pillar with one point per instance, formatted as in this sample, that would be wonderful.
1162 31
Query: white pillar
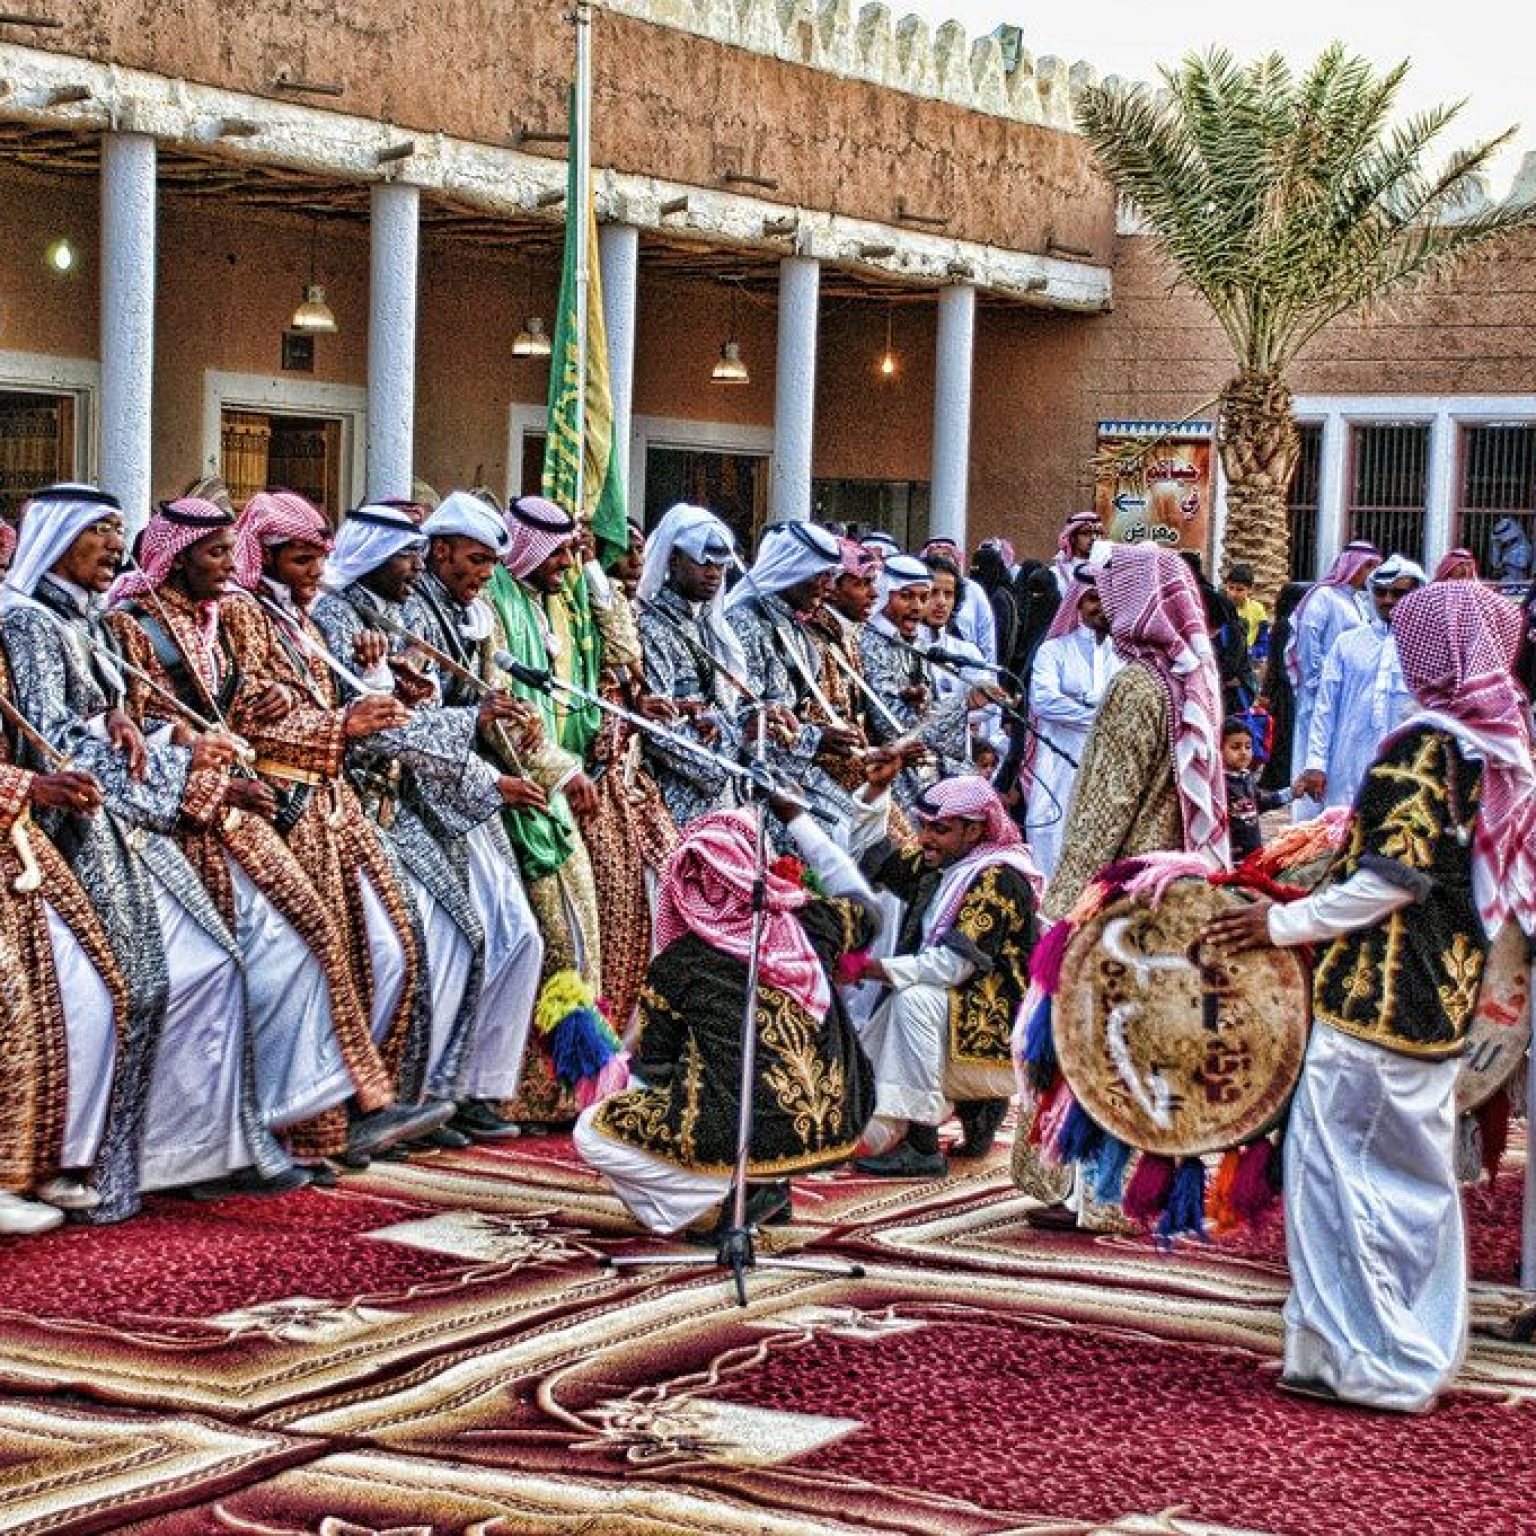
1440 512
1331 469
794 405
618 255
127 321
952 413
395 228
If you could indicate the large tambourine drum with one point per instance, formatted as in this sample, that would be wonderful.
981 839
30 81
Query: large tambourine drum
1168 1045
1500 1031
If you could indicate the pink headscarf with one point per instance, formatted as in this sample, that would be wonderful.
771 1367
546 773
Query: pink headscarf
1347 566
7 541
970 797
1067 616
706 889
537 528
1068 528
272 518
857 560
1456 565
177 526
1157 619
1004 548
1457 641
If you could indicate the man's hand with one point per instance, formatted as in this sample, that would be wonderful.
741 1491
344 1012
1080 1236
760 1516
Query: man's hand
916 696
412 686
881 767
503 706
373 713
785 806
67 790
521 794
253 796
842 740
1245 928
581 792
1312 783
129 740
269 706
217 749
653 707
370 648
871 969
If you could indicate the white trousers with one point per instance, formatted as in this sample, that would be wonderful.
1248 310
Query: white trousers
1378 1308
300 1070
514 957
448 958
91 1045
386 960
662 1197
192 1124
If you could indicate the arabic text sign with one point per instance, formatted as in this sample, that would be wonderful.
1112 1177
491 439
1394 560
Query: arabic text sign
1167 496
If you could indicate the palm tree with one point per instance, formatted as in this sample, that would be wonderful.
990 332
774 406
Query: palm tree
1286 203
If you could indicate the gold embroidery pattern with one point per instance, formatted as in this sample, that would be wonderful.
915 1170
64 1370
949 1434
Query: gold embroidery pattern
1463 965
809 1088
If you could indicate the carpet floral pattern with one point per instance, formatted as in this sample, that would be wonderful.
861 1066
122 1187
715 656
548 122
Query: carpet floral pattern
440 1348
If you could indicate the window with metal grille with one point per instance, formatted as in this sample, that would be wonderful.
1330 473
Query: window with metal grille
1496 499
1388 486
1301 503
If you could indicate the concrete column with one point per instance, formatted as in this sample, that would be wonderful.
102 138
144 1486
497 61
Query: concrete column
1331 469
395 230
794 407
952 412
618 255
1440 513
127 321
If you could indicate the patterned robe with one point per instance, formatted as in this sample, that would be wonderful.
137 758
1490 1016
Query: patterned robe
944 728
995 929
301 755
162 638
34 1060
675 647
1124 801
813 1089
61 685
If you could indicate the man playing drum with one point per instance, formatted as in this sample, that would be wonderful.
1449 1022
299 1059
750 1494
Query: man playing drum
1442 854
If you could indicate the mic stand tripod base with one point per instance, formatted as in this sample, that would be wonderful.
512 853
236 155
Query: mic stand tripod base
736 1253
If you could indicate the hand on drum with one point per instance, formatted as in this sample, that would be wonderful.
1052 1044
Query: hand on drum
1244 928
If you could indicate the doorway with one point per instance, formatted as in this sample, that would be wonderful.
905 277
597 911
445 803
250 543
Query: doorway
262 449
38 435
734 486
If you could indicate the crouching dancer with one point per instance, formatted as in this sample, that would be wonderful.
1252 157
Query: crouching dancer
957 977
1441 854
669 1146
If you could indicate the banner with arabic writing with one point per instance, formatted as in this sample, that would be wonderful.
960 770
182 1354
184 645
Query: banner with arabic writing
1163 494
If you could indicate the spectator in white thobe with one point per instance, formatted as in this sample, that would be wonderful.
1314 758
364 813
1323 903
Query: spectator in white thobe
1361 695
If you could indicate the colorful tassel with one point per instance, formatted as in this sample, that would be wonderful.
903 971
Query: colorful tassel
1080 1136
613 1078
1146 1196
1254 1194
1040 1048
1109 1171
1036 1137
1051 1119
1185 1212
1218 1199
581 1041
1493 1121
1046 957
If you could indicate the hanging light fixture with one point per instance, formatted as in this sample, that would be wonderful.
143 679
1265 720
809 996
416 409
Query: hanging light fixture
313 315
888 359
730 369
533 340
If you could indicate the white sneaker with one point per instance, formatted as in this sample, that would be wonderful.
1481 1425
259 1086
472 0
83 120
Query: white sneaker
69 1194
23 1218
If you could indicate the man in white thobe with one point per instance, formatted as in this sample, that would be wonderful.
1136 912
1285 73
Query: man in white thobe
1361 695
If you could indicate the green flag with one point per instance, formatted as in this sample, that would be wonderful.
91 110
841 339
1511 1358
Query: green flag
602 493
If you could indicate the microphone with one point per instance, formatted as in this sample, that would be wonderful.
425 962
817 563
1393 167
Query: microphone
953 658
532 677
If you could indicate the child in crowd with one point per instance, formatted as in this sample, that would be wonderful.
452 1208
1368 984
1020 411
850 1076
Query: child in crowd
1245 800
1253 613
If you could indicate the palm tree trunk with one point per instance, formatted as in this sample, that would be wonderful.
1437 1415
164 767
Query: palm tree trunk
1259 444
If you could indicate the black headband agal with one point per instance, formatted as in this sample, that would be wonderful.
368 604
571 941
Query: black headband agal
522 512
90 495
173 514
401 524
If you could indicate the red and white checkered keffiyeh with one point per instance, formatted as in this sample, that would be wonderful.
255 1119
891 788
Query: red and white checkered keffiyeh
1457 641
1071 526
1157 620
537 528
1456 565
272 518
706 889
176 527
1067 616
857 560
971 798
7 542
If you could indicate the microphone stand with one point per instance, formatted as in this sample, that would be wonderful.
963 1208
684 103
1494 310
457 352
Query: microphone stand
735 1251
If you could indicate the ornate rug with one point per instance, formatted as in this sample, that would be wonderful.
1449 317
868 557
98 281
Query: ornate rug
440 1347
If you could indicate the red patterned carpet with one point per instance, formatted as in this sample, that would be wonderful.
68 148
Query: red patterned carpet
437 1348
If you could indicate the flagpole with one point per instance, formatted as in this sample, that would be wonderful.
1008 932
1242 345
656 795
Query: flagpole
582 149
